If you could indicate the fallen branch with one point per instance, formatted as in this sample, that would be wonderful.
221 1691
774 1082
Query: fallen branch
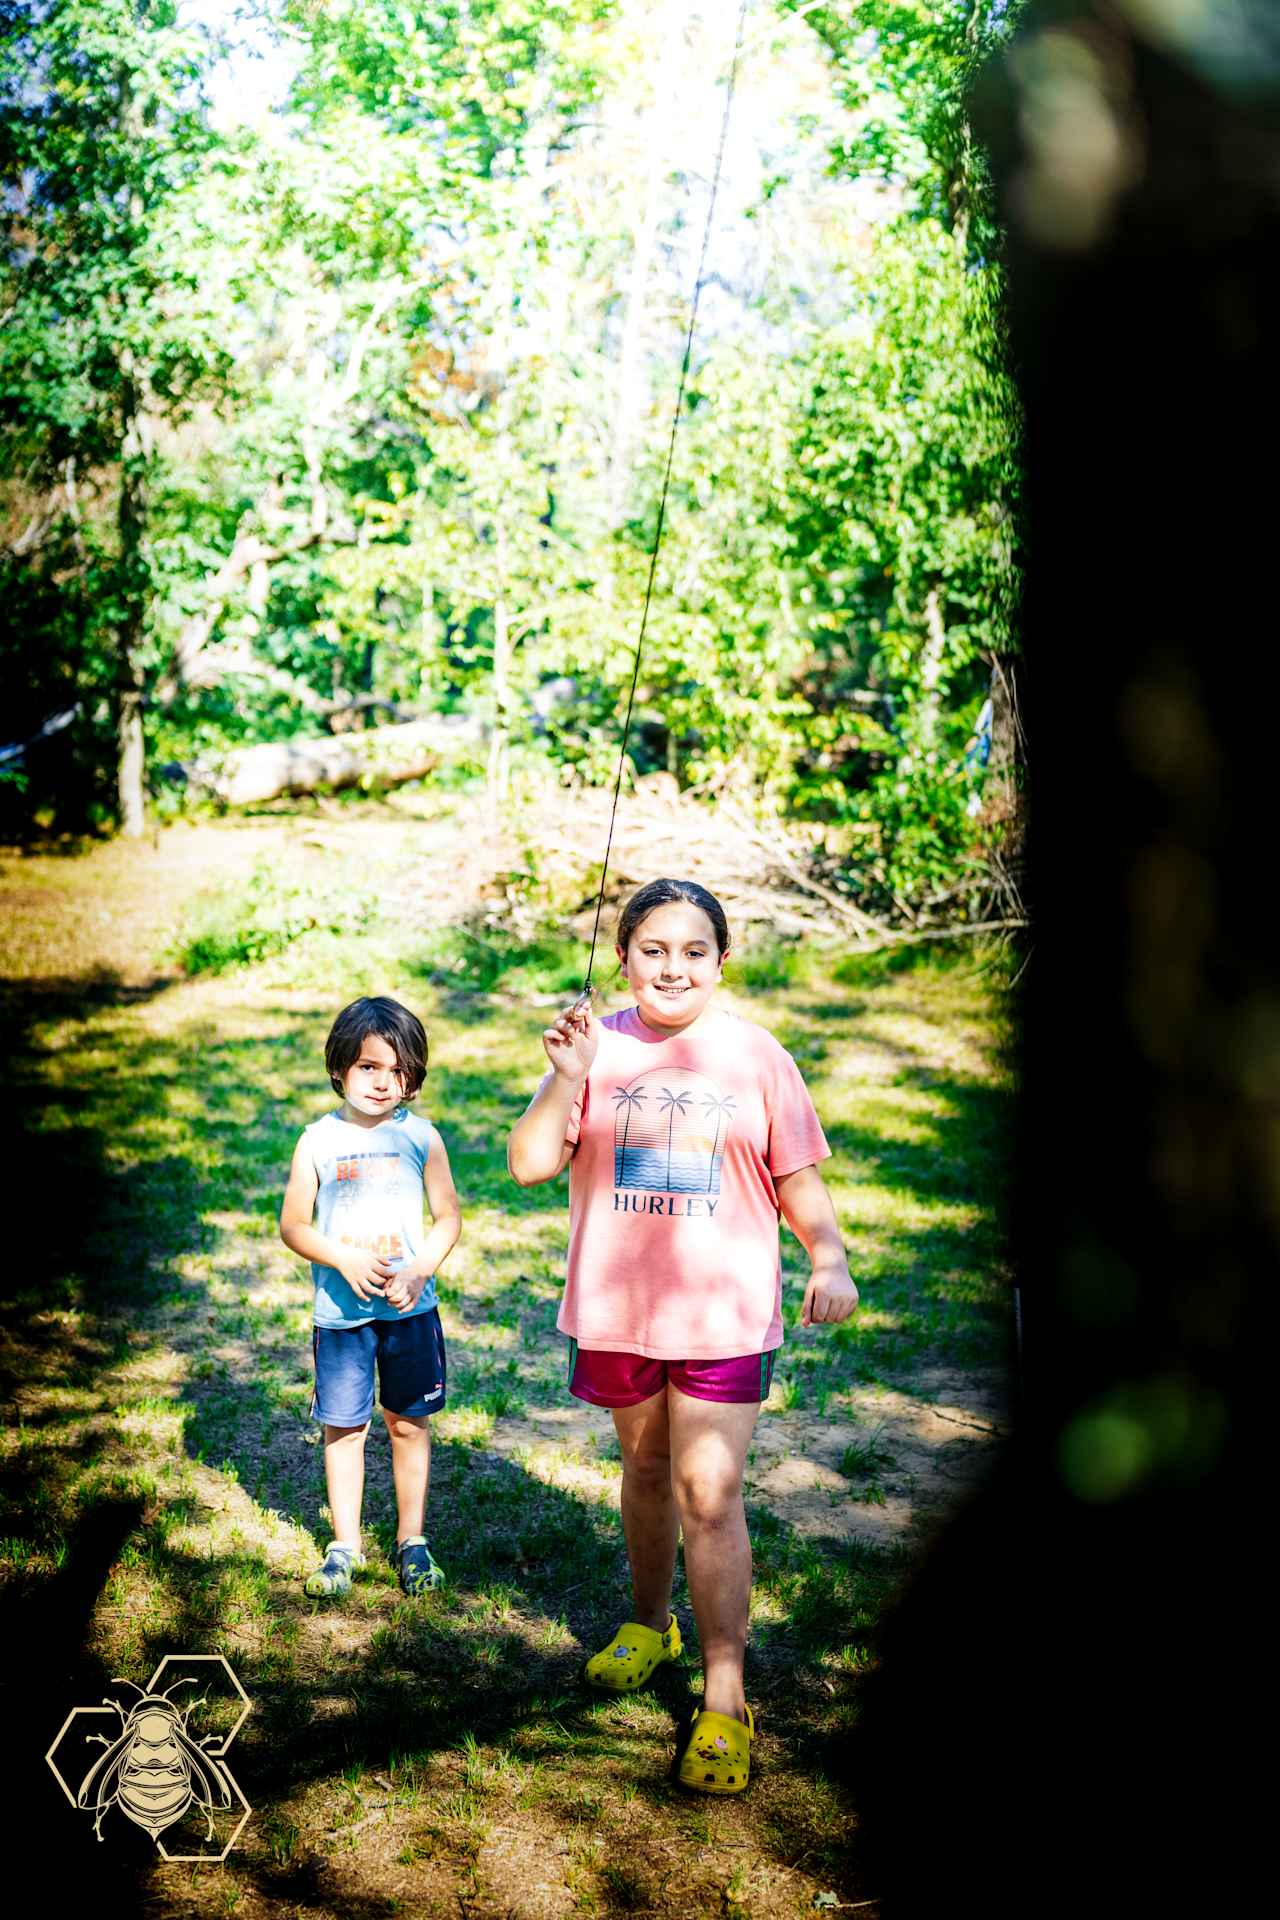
763 870
387 756
862 924
240 663
251 549
959 1420
960 931
340 1833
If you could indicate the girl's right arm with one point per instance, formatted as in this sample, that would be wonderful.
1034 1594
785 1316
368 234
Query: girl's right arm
363 1272
537 1149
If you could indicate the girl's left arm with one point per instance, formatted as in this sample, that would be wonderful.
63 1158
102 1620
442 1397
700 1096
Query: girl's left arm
806 1207
446 1224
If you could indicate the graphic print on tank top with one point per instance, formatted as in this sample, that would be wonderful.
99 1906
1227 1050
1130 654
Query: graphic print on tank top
669 1132
368 1187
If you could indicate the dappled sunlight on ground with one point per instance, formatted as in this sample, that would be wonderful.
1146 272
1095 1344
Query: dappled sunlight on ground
166 1484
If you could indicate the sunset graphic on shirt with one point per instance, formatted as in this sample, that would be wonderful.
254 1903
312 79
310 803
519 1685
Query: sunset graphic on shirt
669 1132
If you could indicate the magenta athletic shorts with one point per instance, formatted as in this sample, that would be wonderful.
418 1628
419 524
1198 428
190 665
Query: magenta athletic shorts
625 1379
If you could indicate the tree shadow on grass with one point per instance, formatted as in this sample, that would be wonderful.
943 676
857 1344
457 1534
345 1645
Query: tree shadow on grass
496 1657
539 1580
153 1135
49 995
964 1154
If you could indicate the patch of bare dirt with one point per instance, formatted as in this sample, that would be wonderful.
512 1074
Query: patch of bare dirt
106 916
932 1446
937 1443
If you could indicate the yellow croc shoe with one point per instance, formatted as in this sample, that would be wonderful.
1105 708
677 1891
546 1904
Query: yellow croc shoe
631 1657
718 1756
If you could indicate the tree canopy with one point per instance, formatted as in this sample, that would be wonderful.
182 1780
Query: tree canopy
352 409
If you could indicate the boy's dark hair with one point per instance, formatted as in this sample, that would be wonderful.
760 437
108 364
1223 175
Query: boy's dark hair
403 1032
661 893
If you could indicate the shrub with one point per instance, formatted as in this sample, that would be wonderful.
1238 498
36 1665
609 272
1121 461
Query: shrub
239 923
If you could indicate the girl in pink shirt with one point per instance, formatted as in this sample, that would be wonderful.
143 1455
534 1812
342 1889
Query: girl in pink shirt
686 1131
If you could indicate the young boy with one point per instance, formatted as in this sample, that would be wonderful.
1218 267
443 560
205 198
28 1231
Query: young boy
359 1173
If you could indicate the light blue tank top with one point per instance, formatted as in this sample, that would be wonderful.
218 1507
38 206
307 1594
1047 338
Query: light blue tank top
369 1195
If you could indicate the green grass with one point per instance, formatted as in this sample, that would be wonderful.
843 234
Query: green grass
160 1464
236 923
865 1458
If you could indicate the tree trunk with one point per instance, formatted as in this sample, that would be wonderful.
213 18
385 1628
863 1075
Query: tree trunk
629 394
499 742
931 670
498 745
134 581
1002 786
960 185
1116 1529
130 763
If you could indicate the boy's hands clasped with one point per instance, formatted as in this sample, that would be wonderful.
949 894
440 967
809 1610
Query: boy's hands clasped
404 1290
370 1277
365 1273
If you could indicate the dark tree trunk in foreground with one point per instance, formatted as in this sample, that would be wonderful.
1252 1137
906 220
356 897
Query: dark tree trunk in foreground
1055 1729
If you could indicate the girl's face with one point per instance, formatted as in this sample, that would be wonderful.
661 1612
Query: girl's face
672 965
373 1084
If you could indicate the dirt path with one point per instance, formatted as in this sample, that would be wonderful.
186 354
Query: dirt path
108 916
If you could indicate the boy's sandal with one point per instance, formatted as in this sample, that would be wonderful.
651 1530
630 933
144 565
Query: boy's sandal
631 1657
332 1579
418 1571
718 1756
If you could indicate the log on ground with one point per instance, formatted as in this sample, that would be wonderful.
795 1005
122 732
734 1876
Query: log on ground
386 756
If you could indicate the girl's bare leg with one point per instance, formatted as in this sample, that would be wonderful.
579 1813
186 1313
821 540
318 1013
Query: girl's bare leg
648 1509
344 1479
708 1457
410 1469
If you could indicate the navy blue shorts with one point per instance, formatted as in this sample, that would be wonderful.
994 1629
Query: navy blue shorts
408 1354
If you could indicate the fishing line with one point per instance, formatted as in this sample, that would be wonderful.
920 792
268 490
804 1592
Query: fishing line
584 998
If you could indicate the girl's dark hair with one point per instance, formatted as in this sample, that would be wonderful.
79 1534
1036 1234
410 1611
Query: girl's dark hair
403 1032
660 893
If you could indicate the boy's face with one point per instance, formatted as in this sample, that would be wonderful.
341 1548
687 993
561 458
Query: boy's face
672 965
373 1084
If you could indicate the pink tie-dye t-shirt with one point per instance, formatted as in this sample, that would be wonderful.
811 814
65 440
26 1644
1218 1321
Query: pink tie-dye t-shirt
673 1212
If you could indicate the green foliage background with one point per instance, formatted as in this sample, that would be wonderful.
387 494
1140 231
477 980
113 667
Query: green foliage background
356 408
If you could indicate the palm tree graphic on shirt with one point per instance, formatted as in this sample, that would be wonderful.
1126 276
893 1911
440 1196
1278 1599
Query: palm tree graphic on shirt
626 1102
722 1105
669 1130
672 1104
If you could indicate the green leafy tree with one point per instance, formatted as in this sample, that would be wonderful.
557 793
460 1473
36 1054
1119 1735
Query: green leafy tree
108 339
362 409
905 69
456 479
909 451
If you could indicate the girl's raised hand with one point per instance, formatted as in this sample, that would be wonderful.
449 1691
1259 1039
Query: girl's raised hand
571 1040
